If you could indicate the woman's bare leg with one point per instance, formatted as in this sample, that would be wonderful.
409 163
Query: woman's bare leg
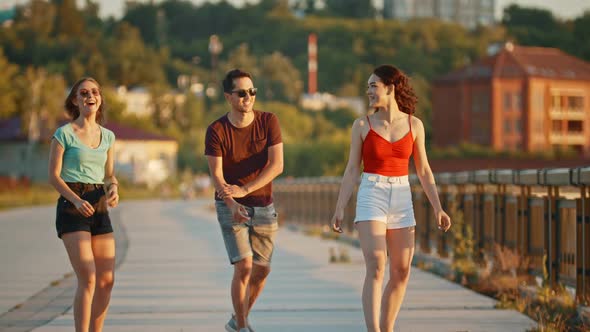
400 243
79 248
103 247
372 239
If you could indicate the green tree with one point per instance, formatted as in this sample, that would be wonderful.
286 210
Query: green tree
309 7
190 114
241 58
115 107
90 14
342 118
98 67
38 17
581 36
71 21
130 61
8 91
40 101
350 8
144 18
190 117
424 107
295 125
535 27
75 70
279 79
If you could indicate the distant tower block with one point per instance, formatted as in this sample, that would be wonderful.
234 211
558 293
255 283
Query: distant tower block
312 64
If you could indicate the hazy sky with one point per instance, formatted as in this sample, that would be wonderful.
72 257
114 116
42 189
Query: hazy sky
560 8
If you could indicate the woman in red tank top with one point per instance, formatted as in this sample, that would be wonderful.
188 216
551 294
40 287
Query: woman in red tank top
384 142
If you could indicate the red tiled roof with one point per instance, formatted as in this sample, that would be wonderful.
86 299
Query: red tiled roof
124 132
522 61
10 130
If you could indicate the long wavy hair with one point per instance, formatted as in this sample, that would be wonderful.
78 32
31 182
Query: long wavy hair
404 93
73 110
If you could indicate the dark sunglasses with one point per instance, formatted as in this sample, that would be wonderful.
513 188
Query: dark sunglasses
242 93
86 93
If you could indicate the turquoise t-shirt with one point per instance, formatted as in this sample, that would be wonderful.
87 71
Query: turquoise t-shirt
82 163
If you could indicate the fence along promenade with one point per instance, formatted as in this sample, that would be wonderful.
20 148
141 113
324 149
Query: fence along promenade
539 214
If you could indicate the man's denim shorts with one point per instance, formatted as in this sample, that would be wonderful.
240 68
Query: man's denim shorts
254 238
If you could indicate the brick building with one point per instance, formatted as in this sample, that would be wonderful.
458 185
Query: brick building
518 99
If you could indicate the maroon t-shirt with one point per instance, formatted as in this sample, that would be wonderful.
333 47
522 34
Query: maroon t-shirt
244 152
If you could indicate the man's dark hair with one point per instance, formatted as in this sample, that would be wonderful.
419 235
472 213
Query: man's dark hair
228 81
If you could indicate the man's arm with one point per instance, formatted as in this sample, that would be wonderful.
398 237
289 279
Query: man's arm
216 171
273 168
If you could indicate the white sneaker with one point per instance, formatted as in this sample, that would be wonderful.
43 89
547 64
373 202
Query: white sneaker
232 325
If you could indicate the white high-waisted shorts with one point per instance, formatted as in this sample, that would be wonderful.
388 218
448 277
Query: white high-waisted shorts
387 199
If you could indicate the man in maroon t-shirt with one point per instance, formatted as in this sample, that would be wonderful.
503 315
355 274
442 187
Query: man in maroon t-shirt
245 153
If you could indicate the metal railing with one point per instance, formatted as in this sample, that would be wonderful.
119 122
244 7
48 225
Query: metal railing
541 214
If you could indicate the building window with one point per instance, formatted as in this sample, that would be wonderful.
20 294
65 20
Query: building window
575 102
517 99
575 126
475 103
480 131
507 101
517 126
507 126
578 148
480 102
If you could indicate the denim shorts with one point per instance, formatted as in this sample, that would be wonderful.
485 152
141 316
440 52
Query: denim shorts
387 199
68 219
254 238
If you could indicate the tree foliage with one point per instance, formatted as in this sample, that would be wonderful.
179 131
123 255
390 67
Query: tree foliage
350 8
8 92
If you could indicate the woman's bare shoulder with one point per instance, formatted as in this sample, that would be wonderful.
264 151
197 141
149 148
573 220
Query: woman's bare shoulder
361 122
416 122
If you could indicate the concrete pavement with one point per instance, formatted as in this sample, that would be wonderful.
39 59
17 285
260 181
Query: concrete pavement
175 277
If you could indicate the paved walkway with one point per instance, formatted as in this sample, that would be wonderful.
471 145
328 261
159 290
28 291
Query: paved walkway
175 277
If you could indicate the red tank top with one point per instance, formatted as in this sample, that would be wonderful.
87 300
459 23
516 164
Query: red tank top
387 158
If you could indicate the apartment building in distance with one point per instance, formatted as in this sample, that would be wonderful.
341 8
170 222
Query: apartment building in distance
528 99
469 13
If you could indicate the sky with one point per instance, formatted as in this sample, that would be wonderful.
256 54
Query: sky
560 8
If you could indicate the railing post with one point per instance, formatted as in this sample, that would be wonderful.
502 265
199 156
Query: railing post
443 180
582 179
553 179
480 178
508 209
483 178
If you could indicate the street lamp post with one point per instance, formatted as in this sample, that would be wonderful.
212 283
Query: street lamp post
215 48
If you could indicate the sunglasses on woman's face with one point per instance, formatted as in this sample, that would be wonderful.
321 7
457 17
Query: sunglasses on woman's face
242 93
86 93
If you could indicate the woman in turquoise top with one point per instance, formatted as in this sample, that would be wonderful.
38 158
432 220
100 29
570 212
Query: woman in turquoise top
81 170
